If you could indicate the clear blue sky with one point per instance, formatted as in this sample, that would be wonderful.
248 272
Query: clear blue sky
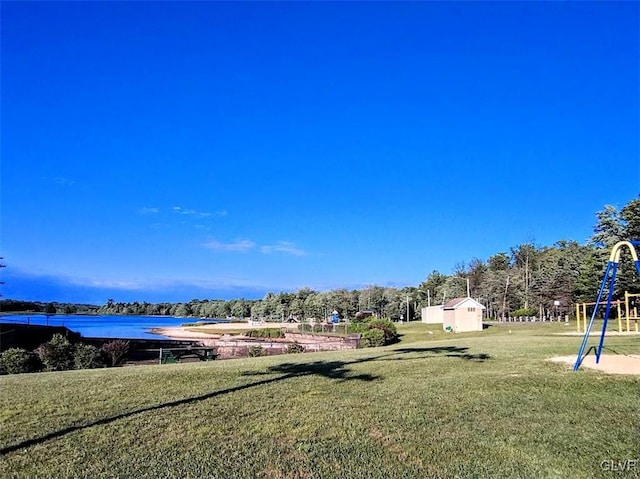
170 151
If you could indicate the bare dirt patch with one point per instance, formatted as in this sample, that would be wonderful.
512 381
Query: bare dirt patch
609 363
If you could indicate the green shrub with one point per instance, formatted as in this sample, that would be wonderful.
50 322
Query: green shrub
524 312
116 351
87 356
358 328
56 354
265 333
18 360
295 348
373 337
387 327
255 351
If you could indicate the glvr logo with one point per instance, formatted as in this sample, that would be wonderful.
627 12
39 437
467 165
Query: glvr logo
624 465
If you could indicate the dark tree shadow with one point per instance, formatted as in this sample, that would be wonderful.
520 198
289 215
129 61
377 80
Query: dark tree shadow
338 370
435 349
611 350
448 351
334 370
480 357
579 359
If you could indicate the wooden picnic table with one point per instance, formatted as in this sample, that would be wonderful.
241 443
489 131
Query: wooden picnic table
173 355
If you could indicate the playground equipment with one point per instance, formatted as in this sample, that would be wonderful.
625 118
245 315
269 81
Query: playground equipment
609 279
624 316
633 313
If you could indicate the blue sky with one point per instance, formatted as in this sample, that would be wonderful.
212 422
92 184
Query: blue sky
169 151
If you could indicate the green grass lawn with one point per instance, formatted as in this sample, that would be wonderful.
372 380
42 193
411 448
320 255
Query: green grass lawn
435 405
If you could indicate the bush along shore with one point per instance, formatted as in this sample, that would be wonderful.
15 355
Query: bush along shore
60 353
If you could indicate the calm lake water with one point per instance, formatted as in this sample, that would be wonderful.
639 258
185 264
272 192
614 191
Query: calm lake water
126 327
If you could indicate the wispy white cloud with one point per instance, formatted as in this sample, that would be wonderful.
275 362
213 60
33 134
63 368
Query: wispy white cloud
92 289
107 283
241 246
195 213
148 211
157 283
177 215
237 246
286 247
59 180
201 214
129 285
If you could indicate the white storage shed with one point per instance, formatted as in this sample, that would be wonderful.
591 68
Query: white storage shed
462 314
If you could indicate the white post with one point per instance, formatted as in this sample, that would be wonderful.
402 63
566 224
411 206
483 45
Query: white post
408 308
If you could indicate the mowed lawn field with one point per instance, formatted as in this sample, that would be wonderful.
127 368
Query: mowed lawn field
486 405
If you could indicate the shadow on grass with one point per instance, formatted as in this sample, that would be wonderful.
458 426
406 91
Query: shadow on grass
591 350
606 349
338 370
334 370
448 351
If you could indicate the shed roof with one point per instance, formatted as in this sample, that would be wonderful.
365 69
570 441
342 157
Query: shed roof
456 303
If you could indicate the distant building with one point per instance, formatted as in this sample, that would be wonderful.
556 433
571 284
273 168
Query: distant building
462 314
433 314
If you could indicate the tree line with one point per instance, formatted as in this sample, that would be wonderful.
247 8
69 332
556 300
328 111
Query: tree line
546 280
528 279
17 306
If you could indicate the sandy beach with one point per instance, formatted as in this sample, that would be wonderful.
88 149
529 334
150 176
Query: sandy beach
213 330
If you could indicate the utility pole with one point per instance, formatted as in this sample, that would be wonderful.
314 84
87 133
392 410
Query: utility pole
407 307
504 298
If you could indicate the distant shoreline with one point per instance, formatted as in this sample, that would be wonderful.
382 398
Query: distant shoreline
42 313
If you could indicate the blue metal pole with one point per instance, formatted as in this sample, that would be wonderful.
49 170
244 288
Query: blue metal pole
607 311
595 310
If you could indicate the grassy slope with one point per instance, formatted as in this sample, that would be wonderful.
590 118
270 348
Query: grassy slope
434 405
